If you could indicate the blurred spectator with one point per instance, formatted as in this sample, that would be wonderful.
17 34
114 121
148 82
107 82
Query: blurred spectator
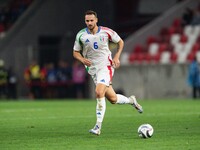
3 80
64 71
33 77
51 80
188 16
194 78
51 73
12 84
79 79
196 17
64 76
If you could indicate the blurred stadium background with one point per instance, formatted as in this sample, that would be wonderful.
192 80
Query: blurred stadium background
159 43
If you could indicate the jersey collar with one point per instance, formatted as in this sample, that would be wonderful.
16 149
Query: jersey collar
99 28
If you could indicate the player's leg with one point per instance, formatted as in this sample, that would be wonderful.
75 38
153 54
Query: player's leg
102 80
101 102
100 107
116 98
121 99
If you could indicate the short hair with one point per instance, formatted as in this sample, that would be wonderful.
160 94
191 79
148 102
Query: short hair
91 12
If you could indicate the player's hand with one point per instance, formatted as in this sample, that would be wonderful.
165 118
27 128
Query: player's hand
116 63
87 62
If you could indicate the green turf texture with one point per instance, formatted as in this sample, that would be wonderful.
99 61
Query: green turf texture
64 125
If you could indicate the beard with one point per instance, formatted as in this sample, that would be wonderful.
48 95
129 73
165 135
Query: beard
91 27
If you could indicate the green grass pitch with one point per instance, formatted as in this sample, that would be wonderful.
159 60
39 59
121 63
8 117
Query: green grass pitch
64 125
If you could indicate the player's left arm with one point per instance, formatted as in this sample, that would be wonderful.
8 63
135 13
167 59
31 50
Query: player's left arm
77 55
116 61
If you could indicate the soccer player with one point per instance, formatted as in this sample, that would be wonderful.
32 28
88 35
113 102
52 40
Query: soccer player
91 47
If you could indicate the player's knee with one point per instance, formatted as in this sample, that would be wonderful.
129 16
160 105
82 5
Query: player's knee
99 93
112 100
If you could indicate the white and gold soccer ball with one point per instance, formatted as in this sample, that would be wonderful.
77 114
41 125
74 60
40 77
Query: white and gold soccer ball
145 131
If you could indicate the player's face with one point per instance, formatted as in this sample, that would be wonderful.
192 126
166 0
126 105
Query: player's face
90 21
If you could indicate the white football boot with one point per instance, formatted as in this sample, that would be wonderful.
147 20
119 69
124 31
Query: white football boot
135 104
95 130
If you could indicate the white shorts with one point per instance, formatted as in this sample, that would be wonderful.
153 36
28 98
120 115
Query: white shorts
103 75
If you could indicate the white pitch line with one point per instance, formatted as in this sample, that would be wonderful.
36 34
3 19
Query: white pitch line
21 110
44 118
92 116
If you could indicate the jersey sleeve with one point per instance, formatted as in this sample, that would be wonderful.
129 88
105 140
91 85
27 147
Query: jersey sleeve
113 36
78 43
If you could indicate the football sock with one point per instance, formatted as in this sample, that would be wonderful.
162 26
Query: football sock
99 124
100 110
121 99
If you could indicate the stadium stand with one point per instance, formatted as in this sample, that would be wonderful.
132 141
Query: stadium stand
176 42
10 11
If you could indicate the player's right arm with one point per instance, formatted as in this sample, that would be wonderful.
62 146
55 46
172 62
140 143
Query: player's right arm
77 55
78 47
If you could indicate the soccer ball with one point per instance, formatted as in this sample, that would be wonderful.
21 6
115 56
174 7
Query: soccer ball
145 131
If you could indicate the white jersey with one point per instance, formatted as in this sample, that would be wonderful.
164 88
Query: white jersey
96 47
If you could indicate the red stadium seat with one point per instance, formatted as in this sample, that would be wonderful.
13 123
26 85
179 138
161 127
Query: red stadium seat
196 47
173 57
171 30
191 56
132 58
177 22
183 38
162 47
151 39
138 49
163 31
